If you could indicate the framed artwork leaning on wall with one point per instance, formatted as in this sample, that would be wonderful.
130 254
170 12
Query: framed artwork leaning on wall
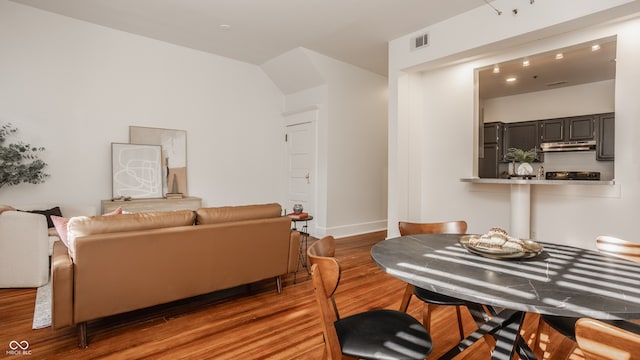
136 171
174 155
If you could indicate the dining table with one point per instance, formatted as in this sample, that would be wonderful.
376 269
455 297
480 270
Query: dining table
558 279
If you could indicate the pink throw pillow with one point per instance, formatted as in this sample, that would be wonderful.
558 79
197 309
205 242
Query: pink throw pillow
117 211
4 208
60 224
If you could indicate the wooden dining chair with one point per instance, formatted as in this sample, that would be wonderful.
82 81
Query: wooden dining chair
431 299
566 325
618 247
602 341
374 334
323 248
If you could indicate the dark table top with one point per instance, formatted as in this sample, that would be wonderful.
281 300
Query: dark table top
308 218
562 280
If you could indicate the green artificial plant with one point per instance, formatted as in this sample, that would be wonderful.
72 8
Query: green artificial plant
519 155
19 162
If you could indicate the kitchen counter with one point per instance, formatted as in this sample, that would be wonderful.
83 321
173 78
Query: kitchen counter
537 182
520 189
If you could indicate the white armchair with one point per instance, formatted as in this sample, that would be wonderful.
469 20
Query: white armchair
26 244
24 250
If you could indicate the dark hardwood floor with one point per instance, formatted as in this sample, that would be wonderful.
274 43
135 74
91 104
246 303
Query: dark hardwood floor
251 322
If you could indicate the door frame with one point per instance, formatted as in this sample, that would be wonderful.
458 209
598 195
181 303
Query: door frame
309 114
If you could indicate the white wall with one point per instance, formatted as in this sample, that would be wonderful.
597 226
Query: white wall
464 35
436 107
593 98
75 88
356 148
351 147
316 97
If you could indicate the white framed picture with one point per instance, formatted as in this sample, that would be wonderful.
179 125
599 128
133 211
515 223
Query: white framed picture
137 171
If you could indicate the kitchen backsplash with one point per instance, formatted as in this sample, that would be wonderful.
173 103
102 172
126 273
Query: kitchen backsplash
572 161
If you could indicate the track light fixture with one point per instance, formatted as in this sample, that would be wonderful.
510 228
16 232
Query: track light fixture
493 7
514 11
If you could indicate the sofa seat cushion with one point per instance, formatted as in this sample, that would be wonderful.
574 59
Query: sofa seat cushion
217 215
84 226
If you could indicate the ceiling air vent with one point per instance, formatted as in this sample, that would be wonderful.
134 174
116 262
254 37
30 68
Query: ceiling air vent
420 41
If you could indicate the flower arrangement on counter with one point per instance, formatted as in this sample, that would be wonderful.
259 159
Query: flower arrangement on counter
519 155
525 158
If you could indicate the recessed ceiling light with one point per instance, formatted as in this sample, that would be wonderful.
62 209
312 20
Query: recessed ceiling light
559 56
225 27
525 62
496 69
595 47
511 79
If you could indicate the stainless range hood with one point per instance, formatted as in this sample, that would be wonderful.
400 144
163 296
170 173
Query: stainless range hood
568 146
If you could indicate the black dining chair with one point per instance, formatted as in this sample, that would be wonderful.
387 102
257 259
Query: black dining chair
373 334
566 325
431 299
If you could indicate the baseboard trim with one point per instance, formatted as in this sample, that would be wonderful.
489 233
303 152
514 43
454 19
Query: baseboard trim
351 230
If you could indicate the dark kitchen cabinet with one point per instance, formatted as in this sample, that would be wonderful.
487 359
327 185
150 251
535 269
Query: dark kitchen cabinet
580 128
523 135
493 132
575 128
488 165
552 130
605 144
492 150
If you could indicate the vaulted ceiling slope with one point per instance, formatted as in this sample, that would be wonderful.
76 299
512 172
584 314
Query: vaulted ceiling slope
255 31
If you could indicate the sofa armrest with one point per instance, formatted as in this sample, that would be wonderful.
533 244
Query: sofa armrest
294 250
61 286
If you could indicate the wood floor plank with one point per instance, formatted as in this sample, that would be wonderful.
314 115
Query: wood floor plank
251 322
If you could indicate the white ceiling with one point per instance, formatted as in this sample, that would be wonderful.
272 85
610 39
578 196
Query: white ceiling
353 31
579 65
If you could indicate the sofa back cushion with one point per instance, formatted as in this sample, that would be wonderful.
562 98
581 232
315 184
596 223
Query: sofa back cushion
84 226
217 215
115 273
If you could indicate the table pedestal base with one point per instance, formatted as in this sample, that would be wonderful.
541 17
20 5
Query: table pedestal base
505 328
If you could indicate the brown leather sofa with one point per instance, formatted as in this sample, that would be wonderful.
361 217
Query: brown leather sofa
132 261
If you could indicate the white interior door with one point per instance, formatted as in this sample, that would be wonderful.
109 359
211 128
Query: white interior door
301 161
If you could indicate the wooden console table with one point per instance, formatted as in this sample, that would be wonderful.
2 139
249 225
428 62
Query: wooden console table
146 205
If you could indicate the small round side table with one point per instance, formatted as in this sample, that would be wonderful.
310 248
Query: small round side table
304 240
